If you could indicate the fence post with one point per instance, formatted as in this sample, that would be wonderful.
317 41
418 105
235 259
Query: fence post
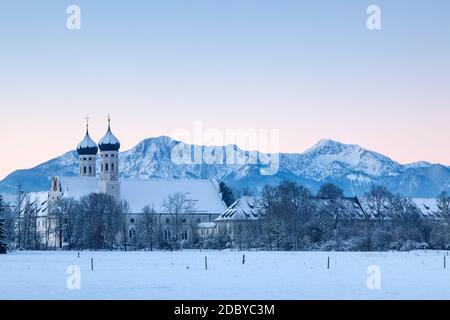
243 259
206 263
92 264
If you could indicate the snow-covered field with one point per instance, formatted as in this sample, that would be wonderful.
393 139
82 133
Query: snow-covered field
265 275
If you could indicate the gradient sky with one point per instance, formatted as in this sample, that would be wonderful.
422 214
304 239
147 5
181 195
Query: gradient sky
308 68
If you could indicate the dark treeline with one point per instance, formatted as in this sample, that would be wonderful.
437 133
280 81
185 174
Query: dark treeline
293 219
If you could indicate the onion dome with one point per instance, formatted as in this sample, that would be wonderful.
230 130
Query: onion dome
109 142
87 146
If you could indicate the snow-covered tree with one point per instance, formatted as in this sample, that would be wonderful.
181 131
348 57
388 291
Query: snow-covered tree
443 203
287 210
381 200
3 243
99 221
180 208
63 217
147 228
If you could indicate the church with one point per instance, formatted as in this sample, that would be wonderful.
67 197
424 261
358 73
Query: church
203 193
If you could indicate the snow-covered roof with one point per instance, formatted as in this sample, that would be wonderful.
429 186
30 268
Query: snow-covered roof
87 146
428 207
206 225
36 202
245 208
350 207
109 142
140 193
77 187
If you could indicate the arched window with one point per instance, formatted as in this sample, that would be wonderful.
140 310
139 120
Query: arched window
132 233
106 167
84 170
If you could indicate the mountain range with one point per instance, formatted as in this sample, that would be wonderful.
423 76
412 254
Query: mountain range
351 167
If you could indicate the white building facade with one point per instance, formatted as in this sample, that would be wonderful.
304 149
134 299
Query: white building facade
138 194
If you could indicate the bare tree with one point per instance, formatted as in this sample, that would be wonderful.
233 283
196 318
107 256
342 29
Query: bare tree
100 221
3 230
179 208
125 209
281 207
443 203
64 212
380 199
335 207
49 231
18 206
147 224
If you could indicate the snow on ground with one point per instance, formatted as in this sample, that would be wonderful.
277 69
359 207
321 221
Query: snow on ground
265 275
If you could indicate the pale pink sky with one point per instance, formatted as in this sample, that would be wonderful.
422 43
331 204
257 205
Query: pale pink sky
308 72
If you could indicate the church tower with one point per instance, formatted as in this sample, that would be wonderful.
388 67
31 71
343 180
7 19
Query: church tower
109 147
87 150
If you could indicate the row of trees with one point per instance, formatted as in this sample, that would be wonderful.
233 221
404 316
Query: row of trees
96 221
297 220
294 219
92 222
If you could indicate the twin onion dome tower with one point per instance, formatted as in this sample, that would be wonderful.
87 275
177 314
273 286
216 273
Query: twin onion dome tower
109 147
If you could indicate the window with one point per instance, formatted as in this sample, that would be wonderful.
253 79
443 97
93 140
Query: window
166 234
132 220
132 233
112 156
90 159
90 170
184 235
84 170
106 167
106 155
112 167
102 166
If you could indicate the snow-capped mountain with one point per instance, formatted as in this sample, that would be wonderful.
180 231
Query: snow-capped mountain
352 167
